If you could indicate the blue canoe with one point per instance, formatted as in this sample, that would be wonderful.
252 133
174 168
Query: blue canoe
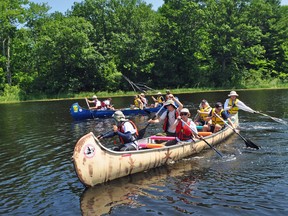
80 113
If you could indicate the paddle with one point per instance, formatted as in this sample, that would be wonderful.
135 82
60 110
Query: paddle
248 142
143 130
201 138
248 109
89 108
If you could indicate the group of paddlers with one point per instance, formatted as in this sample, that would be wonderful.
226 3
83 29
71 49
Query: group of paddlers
99 105
141 102
177 122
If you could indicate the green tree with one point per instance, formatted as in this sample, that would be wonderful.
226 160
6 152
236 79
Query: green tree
12 14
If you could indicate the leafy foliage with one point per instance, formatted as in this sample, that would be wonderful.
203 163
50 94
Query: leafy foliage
185 44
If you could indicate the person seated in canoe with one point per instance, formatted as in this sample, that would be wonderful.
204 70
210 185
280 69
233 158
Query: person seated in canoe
95 102
202 113
144 100
138 104
233 104
159 100
185 128
106 104
126 130
169 116
216 124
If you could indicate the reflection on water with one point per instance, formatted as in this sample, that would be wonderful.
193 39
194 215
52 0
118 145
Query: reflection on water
37 175
102 199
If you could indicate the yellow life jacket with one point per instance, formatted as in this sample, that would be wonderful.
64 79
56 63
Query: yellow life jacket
216 120
160 99
234 106
202 115
136 103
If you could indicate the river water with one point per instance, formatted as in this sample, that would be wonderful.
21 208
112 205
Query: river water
37 140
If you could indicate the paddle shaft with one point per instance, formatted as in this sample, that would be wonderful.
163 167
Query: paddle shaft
142 131
247 142
204 140
89 107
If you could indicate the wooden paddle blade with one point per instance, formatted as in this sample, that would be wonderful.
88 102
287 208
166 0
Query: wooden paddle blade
250 144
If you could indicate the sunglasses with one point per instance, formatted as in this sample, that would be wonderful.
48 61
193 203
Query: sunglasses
183 114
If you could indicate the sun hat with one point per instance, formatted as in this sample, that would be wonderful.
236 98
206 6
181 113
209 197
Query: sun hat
94 97
233 93
170 102
119 116
204 101
184 110
159 93
218 104
142 94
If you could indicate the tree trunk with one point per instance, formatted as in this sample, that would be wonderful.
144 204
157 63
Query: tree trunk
9 77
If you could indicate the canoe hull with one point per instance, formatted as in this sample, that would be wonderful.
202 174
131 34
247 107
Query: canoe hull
95 164
80 113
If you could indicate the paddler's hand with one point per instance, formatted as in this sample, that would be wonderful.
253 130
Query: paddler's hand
115 128
179 118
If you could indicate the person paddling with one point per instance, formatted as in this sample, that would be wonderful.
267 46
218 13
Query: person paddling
169 116
233 104
126 130
94 101
215 123
184 127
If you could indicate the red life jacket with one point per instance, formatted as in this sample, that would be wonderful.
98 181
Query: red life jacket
103 104
183 132
121 129
166 120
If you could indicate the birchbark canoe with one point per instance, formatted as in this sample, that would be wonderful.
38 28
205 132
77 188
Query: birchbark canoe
95 164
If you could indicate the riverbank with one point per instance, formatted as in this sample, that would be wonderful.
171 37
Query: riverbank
105 94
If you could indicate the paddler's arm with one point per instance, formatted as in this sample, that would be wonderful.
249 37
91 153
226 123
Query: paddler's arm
244 107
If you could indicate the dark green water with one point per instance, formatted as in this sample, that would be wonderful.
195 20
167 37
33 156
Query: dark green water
37 175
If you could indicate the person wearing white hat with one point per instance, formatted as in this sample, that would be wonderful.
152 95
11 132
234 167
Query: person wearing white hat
126 130
233 104
169 116
95 102
185 128
159 100
144 100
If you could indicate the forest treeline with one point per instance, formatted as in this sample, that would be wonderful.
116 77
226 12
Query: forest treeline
184 44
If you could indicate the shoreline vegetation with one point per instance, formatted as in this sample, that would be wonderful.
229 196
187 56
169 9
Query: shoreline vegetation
104 94
101 47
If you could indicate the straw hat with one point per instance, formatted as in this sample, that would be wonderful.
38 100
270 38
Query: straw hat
119 116
94 97
233 93
159 93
